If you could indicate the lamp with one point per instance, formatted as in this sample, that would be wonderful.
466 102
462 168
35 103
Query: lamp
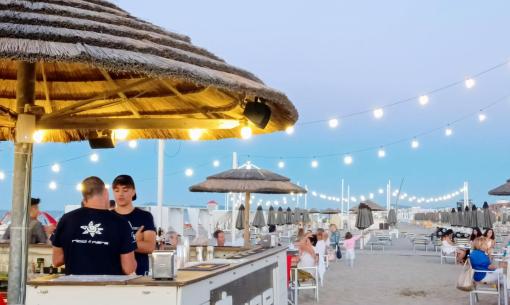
100 139
258 113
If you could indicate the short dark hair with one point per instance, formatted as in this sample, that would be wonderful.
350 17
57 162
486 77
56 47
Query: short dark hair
216 233
91 187
313 239
34 201
124 180
348 235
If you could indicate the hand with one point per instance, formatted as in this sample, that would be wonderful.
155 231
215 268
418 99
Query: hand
49 229
139 234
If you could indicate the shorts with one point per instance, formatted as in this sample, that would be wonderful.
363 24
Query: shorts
350 254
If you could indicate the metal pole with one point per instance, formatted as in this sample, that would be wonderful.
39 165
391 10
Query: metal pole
21 192
161 172
348 206
342 205
466 194
247 242
232 222
306 197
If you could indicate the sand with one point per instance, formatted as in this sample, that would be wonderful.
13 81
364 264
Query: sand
396 276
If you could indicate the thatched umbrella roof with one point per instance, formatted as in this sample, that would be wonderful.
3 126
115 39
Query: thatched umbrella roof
502 190
99 68
371 204
251 180
330 211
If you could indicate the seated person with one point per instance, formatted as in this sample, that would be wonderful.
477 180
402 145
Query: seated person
480 261
307 257
36 231
172 238
491 238
448 247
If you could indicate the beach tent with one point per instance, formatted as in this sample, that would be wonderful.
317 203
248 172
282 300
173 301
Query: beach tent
85 70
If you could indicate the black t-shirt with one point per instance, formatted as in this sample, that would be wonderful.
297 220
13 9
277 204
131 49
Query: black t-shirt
93 241
136 219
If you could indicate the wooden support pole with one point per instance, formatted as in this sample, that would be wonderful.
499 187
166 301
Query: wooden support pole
21 184
247 243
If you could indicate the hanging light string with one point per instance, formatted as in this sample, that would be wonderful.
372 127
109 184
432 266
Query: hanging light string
423 99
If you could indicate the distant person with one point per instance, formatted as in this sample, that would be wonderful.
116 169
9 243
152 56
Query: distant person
334 236
173 238
475 234
36 231
491 238
142 222
448 247
349 245
93 240
219 235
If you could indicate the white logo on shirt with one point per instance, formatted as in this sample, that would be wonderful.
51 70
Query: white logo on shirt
92 229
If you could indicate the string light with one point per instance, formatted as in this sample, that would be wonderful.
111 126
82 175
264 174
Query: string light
448 131
289 130
378 113
314 163
107 186
188 172
120 134
348 160
94 157
195 134
281 164
52 185
333 123
79 187
246 132
415 144
469 83
38 136
482 117
55 168
380 191
2 175
381 153
216 163
133 144
423 100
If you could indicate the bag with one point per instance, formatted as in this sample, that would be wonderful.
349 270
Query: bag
338 252
465 279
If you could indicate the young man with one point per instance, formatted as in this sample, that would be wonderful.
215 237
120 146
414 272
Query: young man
142 222
93 240
36 232
219 235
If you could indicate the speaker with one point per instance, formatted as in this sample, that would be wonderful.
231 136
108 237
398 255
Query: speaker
258 113
25 128
101 139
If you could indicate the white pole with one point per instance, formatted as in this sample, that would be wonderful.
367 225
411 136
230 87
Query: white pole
306 197
233 220
161 172
348 206
466 194
388 195
342 205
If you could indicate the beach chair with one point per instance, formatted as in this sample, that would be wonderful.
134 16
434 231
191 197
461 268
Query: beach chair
488 288
420 242
445 256
295 285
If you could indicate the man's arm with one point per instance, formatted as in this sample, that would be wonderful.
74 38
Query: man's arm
58 256
128 262
38 231
145 241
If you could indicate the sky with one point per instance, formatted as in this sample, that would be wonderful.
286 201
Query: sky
332 58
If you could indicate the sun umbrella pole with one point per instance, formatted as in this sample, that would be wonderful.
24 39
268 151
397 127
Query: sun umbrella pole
18 254
247 222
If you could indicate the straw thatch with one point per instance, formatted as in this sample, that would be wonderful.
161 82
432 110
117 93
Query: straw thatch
502 190
372 205
330 211
119 67
243 180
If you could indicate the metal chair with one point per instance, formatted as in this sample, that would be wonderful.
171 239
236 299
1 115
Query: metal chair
487 288
445 256
295 285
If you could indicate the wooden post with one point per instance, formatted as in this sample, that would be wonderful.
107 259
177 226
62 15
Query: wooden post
247 243
21 183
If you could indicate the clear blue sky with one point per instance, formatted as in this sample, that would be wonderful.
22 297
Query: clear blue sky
329 57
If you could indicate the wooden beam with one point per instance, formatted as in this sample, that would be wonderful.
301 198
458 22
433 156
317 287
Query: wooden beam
136 123
128 105
6 122
49 104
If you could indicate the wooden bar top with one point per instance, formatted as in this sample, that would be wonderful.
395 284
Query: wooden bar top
183 277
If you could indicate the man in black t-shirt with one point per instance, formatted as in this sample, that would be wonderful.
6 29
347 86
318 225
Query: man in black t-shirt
92 239
141 221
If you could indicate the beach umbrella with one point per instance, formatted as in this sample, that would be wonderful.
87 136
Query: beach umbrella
503 219
248 179
306 217
467 217
258 220
288 216
375 207
280 217
330 211
480 221
453 218
78 70
240 218
313 211
474 216
502 190
364 217
392 217
271 217
460 217
487 215
296 216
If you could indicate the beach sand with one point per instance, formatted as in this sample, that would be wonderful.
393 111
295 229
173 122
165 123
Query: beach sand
396 276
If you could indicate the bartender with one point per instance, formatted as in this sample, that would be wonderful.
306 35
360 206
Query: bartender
93 240
142 222
36 230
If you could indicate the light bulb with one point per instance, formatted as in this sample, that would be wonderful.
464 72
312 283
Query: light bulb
2 175
415 144
315 163
371 195
469 83
482 117
94 157
120 134
107 186
381 191
246 132
52 185
216 163
333 123
188 172
378 113
448 131
195 134
79 187
133 144
381 153
38 136
289 130
281 164
424 100
348 160
55 168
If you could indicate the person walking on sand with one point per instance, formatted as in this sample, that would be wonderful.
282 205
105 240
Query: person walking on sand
349 245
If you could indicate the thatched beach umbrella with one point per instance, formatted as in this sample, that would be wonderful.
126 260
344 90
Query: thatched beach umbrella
288 216
240 219
78 70
330 211
313 211
392 217
502 190
248 179
271 217
487 215
259 221
280 217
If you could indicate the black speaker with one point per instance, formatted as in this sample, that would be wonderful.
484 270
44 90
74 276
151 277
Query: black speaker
258 113
101 139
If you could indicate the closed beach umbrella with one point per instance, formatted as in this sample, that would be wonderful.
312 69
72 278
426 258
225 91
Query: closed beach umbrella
288 216
271 217
258 220
364 217
306 217
474 216
453 217
487 215
240 218
467 217
460 217
392 217
280 217
296 216
480 221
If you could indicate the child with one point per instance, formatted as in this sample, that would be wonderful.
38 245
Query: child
349 245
